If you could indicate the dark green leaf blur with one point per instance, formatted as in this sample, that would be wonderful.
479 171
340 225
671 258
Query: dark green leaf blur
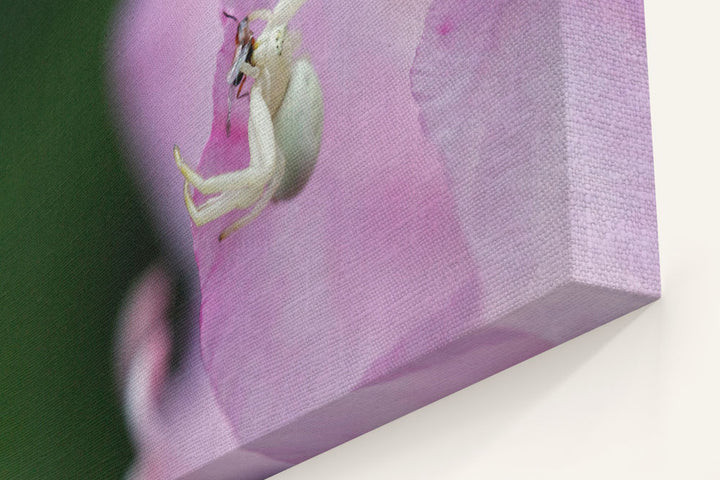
73 235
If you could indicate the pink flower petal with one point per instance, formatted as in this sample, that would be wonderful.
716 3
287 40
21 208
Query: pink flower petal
504 90
301 304
480 78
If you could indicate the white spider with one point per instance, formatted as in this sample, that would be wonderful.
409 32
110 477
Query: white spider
284 129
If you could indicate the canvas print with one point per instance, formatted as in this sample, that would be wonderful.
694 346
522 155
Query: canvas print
362 207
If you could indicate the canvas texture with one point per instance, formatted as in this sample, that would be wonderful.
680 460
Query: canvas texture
483 192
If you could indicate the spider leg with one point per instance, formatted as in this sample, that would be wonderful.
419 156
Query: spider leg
264 199
252 187
218 206
251 178
208 211
249 70
259 205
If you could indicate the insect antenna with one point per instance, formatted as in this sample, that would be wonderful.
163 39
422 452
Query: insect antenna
229 16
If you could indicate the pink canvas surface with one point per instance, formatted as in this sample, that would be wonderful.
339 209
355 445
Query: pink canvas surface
484 192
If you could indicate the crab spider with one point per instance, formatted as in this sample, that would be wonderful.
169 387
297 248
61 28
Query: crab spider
284 128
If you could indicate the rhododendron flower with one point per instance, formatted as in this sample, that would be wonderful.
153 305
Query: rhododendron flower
343 292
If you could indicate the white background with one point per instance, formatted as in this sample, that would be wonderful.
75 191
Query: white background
637 398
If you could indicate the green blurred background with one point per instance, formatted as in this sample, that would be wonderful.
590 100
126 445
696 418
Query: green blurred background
74 235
